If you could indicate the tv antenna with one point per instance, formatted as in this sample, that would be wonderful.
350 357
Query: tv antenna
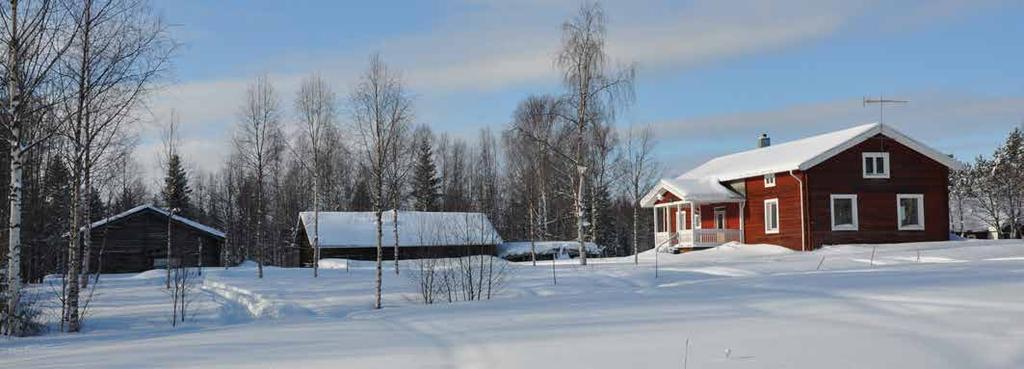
881 105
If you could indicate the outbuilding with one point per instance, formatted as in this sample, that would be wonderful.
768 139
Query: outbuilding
136 240
353 235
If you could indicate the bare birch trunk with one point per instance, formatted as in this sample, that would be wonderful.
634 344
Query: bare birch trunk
380 256
71 279
14 242
167 265
316 220
533 236
395 220
636 237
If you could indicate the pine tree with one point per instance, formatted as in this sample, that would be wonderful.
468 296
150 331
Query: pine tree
176 191
426 185
360 200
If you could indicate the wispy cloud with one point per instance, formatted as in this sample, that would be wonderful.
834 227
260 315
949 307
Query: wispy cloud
980 122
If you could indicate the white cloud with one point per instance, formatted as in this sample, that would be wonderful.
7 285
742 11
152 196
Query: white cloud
981 122
494 45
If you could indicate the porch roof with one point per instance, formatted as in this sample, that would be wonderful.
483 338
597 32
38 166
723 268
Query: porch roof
691 190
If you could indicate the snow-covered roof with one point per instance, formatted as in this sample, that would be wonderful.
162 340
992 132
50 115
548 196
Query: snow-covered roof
800 154
180 219
415 228
804 153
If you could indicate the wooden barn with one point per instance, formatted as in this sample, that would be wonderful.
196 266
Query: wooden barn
353 235
866 184
136 240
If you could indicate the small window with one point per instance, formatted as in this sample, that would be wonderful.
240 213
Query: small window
771 216
696 219
769 180
910 212
720 218
876 165
844 212
681 220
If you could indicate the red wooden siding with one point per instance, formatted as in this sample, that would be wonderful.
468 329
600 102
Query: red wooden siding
910 173
787 190
707 215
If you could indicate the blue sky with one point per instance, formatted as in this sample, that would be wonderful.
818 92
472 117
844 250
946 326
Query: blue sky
712 74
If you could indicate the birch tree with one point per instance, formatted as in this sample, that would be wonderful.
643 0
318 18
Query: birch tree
35 37
258 141
595 90
380 110
641 171
315 105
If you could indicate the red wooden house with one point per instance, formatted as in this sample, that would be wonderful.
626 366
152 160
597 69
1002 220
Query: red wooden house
866 184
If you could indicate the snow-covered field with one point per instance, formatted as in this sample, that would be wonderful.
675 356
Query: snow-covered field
957 305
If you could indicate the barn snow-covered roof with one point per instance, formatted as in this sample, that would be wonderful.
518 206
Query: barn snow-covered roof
415 228
180 219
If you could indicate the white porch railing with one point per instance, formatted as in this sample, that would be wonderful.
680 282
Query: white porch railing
696 238
714 237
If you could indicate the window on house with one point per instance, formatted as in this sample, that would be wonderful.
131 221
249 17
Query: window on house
844 212
910 212
720 218
771 216
696 219
769 180
876 165
681 220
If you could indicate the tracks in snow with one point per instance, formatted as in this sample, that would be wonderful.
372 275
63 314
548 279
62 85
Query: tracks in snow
240 304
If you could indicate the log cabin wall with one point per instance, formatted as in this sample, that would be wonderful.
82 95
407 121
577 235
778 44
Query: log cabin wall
134 242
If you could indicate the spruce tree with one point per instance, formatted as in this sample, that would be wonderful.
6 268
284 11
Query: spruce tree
426 185
176 191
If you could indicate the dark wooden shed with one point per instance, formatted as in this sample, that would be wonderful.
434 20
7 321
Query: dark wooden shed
136 240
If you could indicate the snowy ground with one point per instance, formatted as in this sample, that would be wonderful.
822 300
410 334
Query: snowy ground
960 305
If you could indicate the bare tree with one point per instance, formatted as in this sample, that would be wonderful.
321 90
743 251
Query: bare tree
35 37
258 140
316 104
380 110
641 171
594 92
399 169
120 49
961 185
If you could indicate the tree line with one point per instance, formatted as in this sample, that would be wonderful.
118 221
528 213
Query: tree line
76 75
990 192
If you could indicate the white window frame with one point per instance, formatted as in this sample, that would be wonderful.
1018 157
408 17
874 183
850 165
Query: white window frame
920 212
721 211
696 219
680 220
769 180
778 221
832 212
875 155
